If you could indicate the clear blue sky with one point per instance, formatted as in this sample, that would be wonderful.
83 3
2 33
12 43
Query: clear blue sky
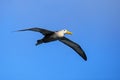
95 25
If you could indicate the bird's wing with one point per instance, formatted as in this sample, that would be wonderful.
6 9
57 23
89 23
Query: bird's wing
43 31
74 46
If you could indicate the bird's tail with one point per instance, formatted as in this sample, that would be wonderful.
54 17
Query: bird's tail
39 42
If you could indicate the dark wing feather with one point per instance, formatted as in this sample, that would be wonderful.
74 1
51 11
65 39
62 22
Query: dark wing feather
43 31
74 46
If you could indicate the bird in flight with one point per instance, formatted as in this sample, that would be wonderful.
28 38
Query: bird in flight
58 35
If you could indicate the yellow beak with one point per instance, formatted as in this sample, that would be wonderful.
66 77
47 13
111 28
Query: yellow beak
68 32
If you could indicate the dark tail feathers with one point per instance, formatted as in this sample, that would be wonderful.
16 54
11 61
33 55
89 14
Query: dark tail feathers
39 42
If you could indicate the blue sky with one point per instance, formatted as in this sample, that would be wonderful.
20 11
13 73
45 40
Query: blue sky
95 25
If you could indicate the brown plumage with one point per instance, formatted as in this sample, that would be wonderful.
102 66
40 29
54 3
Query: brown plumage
58 35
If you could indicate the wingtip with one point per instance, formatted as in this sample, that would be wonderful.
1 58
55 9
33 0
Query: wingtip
21 30
85 59
16 31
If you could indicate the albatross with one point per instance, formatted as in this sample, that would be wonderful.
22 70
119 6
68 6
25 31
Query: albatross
50 36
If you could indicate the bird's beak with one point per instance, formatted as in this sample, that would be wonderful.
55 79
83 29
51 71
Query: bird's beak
68 32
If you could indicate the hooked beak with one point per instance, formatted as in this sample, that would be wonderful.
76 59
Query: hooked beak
68 32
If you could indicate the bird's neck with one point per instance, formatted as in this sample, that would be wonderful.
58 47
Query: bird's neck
60 34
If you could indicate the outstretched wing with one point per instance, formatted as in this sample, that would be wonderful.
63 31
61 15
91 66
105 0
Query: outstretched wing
74 46
43 31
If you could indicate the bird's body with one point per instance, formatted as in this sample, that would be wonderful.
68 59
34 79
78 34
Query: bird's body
58 35
47 38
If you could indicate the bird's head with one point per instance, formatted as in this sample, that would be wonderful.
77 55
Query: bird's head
61 33
65 31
